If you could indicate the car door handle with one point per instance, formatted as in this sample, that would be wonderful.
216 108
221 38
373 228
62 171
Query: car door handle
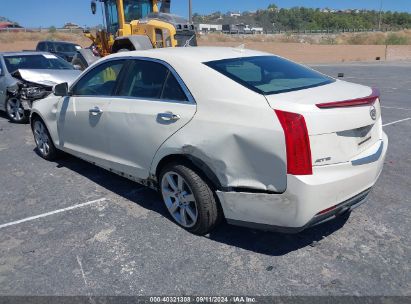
169 116
95 111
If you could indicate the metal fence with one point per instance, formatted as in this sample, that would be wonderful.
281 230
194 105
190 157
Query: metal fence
305 31
300 31
335 31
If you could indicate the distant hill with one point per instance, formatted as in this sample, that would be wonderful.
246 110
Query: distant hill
300 18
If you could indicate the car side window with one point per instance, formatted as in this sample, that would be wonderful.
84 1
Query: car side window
42 46
172 89
59 48
144 80
50 47
100 81
151 80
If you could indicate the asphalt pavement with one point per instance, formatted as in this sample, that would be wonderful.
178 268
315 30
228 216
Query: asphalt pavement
86 231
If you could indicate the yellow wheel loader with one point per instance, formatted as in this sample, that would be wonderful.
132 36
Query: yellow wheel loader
135 25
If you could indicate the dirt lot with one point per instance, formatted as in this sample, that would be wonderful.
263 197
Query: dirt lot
311 53
302 52
10 42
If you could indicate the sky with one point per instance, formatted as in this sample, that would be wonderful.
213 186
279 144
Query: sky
46 13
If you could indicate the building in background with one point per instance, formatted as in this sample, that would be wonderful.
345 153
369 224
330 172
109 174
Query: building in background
207 28
72 26
7 25
241 29
234 14
204 28
257 30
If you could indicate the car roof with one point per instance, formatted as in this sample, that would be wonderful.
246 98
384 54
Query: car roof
60 42
28 53
193 54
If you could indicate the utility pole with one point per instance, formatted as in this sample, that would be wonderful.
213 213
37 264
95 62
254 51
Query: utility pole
190 11
380 18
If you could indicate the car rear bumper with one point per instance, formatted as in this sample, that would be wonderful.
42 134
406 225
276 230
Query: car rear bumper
309 200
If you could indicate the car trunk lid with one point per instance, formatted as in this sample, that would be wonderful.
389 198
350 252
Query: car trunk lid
343 119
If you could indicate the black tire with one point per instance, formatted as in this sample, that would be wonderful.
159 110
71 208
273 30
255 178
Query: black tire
43 140
15 111
209 212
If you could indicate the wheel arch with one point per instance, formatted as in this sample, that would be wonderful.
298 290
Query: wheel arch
196 164
132 43
84 58
34 114
10 83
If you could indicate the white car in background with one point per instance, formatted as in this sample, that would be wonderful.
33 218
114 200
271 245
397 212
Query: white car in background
253 137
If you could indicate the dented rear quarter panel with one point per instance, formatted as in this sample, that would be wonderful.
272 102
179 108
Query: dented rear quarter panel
234 132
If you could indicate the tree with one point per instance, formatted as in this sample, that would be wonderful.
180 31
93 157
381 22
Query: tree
272 7
301 18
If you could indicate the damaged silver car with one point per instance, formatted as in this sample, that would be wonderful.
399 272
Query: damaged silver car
29 76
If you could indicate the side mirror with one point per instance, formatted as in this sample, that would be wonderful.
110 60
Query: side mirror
93 7
61 89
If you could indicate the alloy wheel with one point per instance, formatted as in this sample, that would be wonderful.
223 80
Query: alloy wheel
41 138
15 109
179 199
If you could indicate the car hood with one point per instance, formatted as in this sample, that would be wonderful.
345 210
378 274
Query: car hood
47 77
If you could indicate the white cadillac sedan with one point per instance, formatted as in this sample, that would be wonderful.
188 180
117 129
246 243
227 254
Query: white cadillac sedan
222 133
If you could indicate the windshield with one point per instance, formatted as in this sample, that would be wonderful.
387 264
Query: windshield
40 62
111 16
137 9
67 48
269 74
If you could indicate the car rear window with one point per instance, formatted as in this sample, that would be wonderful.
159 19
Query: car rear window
269 74
34 62
66 48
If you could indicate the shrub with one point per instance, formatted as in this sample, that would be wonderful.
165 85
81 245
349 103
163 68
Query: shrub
395 39
358 39
328 40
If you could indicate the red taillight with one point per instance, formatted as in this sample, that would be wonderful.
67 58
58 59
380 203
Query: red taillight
369 100
297 143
